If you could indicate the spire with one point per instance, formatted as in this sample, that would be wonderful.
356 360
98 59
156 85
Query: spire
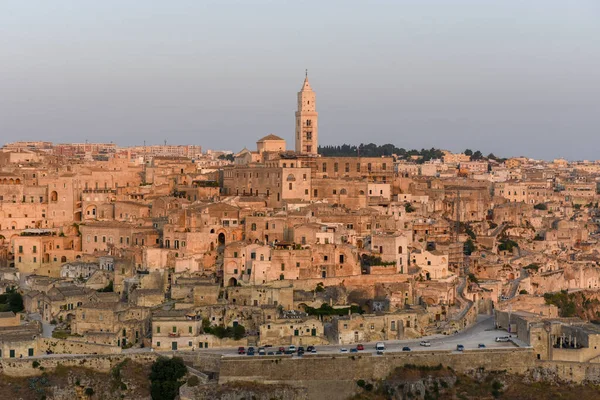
306 86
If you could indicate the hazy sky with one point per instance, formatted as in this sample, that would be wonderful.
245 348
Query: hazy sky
505 76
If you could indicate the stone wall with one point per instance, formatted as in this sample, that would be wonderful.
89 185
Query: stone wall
61 346
367 366
23 367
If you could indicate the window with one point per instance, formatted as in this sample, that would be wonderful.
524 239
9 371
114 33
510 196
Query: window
341 258
20 249
283 267
253 227
324 167
335 167
174 329
158 329
157 344
290 185
190 331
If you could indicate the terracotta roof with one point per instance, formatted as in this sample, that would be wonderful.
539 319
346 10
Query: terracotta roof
270 137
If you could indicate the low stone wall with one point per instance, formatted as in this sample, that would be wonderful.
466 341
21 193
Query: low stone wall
569 371
366 366
62 346
103 363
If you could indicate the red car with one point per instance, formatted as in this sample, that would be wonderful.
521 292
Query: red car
282 349
360 347
241 350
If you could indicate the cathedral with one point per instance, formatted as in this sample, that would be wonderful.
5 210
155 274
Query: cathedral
280 177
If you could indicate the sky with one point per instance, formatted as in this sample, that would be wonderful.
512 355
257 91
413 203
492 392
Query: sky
512 77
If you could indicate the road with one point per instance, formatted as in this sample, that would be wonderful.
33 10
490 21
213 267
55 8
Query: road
482 332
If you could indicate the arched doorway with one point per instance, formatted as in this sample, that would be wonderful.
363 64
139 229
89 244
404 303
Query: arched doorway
221 238
232 282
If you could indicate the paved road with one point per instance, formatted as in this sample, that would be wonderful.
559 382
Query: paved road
482 332
46 328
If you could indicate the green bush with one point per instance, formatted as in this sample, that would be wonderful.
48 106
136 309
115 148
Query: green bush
35 364
193 381
89 391
523 291
541 206
369 387
166 378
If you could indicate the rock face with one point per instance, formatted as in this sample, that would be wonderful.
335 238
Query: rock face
241 391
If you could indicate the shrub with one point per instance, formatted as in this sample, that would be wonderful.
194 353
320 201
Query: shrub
89 391
369 387
541 206
36 364
523 291
165 378
193 381
361 383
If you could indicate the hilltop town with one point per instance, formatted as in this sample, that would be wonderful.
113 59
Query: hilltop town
109 251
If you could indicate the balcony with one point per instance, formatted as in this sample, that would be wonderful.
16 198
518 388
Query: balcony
174 335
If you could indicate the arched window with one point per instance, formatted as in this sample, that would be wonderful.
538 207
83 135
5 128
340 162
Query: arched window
343 191
399 249
291 178
253 227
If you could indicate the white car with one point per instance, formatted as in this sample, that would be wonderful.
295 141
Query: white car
425 343
343 350
502 339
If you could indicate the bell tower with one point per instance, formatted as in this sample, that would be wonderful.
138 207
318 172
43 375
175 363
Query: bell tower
307 127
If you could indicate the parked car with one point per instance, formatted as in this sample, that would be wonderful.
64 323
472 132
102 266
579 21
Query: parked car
282 349
406 348
309 349
343 350
481 346
313 351
360 347
380 346
270 353
261 351
241 350
279 352
502 339
460 347
292 348
425 343
250 351
353 350
301 349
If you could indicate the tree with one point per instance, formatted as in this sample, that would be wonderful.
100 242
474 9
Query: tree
166 378
469 247
540 206
468 152
107 288
477 155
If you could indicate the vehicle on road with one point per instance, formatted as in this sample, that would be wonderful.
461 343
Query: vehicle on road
300 349
292 348
380 346
343 350
353 350
270 353
406 348
460 347
241 350
425 343
279 352
313 351
502 339
281 349
261 351
360 347
309 349
481 346
250 351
